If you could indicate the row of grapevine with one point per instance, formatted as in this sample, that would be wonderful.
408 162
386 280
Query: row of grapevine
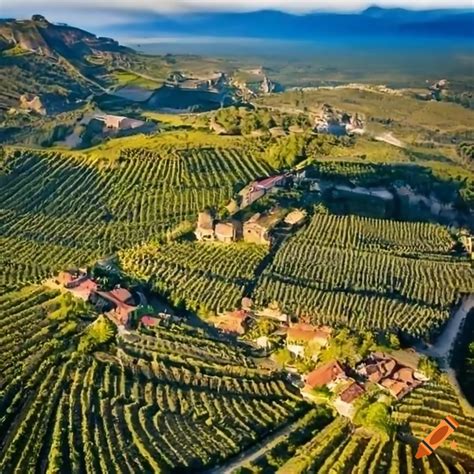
368 273
60 209
201 275
163 400
425 407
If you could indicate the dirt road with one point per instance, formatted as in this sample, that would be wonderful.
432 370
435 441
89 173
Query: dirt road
253 453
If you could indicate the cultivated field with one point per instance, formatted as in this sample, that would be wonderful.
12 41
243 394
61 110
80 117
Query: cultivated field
59 209
204 277
153 402
368 274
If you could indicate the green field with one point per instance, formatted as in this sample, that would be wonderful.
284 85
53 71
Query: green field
60 209
154 402
202 277
368 274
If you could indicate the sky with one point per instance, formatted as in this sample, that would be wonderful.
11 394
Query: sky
97 12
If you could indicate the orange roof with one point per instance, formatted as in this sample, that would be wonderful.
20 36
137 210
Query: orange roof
121 307
149 321
324 374
405 374
397 389
84 288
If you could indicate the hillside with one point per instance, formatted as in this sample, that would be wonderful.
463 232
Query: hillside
40 36
203 273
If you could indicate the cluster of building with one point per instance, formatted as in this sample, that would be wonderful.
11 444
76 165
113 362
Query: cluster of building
299 336
120 306
390 374
385 371
257 229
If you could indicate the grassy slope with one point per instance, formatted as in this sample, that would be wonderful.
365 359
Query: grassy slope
412 116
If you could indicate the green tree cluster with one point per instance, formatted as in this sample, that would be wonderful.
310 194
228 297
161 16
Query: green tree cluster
375 417
97 334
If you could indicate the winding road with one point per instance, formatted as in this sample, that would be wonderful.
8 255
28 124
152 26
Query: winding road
442 347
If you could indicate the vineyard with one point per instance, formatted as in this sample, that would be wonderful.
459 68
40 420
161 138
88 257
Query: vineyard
204 277
156 401
368 273
60 209
339 449
425 407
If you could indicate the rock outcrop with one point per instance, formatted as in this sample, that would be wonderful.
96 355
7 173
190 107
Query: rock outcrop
32 103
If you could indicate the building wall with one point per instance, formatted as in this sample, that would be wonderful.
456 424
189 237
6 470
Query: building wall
254 233
250 195
204 234
296 349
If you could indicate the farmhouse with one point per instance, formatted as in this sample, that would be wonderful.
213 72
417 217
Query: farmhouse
257 189
273 312
118 304
327 375
227 231
344 403
295 218
78 283
390 374
233 322
257 228
71 278
117 122
84 289
300 335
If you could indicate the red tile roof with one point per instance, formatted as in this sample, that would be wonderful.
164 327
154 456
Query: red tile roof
149 321
121 294
84 288
325 374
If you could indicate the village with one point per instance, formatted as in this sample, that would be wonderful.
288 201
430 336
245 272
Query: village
396 374
258 227
334 381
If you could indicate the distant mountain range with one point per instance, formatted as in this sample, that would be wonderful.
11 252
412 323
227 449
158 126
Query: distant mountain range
372 22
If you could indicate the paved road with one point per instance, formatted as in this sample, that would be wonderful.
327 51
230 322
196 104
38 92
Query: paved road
253 453
443 345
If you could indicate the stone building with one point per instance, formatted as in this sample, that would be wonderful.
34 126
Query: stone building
205 227
257 228
227 231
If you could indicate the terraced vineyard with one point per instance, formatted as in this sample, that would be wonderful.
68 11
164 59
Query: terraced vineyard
154 402
339 449
368 273
425 407
203 276
59 209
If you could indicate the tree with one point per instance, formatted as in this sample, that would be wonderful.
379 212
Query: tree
98 333
375 417
428 366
